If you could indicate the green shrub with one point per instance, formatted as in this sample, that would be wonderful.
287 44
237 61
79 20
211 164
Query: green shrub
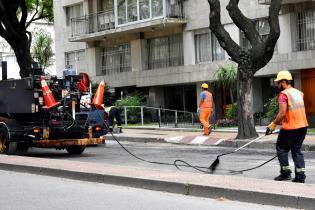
231 111
133 113
132 100
272 108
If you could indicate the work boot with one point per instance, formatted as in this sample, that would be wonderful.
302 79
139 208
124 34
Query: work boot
297 180
283 177
209 130
120 130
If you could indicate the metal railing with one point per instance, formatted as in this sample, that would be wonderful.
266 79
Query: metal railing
105 20
93 23
158 117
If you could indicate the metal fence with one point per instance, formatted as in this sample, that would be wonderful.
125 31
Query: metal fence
158 117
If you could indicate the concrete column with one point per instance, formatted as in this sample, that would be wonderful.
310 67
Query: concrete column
198 90
136 59
92 60
189 48
284 43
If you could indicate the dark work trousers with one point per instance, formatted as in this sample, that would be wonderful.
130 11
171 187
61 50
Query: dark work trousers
291 140
114 113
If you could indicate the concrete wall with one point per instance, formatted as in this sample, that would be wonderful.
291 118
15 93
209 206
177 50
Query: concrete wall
197 12
62 33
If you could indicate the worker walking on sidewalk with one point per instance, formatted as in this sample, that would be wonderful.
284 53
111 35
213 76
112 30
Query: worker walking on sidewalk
293 130
205 108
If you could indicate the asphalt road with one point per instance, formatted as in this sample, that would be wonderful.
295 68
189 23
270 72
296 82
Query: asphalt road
112 153
26 191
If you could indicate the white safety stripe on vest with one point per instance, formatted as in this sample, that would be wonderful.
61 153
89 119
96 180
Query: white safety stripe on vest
296 99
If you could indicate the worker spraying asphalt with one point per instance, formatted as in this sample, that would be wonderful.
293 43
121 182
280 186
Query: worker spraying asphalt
293 131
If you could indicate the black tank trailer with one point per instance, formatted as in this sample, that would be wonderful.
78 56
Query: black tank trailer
45 111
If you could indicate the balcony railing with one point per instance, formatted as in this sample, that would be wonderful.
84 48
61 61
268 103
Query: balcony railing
93 23
103 21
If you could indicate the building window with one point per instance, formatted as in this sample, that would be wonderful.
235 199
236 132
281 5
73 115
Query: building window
144 9
157 8
202 46
136 10
217 51
73 12
263 28
116 59
165 52
106 5
305 31
76 60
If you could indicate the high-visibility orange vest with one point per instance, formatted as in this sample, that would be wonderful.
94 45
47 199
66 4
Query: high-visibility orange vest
295 117
207 103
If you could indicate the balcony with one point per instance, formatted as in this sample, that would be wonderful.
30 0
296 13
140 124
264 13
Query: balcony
267 2
128 17
92 23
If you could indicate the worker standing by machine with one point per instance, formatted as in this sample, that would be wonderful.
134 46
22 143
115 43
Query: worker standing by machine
205 108
294 127
113 114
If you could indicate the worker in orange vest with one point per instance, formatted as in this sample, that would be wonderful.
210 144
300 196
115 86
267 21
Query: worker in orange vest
205 108
293 130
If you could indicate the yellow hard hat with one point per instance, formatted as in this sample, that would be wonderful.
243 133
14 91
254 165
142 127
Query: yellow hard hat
283 75
204 85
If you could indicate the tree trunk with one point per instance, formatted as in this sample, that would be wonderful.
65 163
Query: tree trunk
24 59
246 127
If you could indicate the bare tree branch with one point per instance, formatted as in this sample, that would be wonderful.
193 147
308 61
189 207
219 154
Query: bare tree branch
35 13
222 35
24 12
273 19
3 33
263 52
243 23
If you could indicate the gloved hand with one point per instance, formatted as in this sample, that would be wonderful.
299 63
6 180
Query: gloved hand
271 127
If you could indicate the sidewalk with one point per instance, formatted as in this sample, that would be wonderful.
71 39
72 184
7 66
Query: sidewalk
285 194
220 137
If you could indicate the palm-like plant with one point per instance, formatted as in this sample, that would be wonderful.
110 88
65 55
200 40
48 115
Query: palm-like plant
226 76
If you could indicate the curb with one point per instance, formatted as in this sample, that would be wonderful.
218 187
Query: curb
178 187
226 143
221 130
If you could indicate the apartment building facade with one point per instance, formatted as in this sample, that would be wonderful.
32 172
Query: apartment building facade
165 49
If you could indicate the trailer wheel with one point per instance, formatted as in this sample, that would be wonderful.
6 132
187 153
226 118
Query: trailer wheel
6 147
75 149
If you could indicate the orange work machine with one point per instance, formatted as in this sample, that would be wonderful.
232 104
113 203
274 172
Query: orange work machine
46 111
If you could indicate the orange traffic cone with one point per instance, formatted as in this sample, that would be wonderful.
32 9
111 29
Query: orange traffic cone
99 95
48 96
